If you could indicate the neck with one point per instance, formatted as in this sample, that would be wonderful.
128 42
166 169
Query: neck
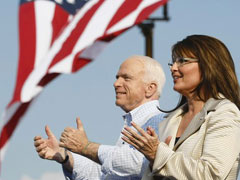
194 105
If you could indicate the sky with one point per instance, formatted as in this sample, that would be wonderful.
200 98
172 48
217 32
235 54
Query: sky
89 93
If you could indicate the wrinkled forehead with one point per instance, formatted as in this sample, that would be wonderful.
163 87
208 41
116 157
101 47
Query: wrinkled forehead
131 66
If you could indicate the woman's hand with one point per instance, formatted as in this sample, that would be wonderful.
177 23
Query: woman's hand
145 142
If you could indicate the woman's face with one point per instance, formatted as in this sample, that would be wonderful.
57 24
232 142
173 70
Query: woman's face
186 76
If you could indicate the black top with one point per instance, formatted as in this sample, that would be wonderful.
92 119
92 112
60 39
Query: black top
176 140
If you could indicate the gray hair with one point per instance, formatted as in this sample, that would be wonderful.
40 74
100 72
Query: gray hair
153 71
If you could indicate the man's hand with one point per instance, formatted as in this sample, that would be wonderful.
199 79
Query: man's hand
49 148
74 140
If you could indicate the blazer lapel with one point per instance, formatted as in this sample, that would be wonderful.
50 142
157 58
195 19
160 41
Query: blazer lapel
169 127
198 120
193 126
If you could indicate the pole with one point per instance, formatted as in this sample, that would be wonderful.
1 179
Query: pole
147 30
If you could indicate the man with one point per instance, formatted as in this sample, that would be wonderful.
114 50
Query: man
138 86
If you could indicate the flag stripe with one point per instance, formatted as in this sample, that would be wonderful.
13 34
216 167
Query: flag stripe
68 45
126 8
27 47
43 35
60 20
10 126
148 10
90 34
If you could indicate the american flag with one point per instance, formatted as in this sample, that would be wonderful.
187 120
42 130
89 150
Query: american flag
62 36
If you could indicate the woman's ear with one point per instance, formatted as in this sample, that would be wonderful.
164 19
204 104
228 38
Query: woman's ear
151 89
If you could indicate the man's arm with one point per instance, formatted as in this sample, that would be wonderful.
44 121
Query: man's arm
83 169
115 160
122 161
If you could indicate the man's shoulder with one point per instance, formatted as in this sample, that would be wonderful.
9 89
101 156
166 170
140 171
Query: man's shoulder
160 115
154 121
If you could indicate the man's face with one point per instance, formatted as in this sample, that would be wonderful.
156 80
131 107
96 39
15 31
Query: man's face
129 85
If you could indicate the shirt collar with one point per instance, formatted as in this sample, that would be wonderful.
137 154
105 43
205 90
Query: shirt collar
139 115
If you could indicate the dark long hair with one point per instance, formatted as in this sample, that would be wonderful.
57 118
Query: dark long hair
216 66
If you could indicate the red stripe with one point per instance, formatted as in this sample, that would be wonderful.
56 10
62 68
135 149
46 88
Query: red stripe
69 44
149 10
47 79
59 21
10 126
126 8
79 62
27 46
111 36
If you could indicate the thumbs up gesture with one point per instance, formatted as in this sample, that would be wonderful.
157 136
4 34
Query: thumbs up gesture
74 139
49 148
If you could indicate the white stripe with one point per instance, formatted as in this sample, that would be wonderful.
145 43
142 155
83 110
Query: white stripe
28 90
97 25
43 28
129 20
65 65
3 151
59 1
92 51
71 1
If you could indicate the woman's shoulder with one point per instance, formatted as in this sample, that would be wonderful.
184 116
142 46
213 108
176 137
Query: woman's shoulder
226 104
225 112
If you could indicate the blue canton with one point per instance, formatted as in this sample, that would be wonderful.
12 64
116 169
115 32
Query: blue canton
70 6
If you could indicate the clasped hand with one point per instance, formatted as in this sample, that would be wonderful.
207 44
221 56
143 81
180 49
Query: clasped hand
145 142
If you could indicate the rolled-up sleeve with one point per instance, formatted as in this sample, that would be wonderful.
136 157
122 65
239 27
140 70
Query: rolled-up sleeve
83 169
121 161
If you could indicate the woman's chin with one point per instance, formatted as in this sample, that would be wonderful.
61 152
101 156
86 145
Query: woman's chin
178 89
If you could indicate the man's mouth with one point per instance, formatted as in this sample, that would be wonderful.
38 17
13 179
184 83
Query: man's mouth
120 93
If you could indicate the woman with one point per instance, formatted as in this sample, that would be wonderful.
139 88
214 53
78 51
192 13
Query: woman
200 139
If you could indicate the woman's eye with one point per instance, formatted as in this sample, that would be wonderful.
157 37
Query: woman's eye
181 61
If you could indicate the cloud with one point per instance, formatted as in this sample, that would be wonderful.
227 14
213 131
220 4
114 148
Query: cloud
46 176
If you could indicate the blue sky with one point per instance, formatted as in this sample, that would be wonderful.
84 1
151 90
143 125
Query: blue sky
89 93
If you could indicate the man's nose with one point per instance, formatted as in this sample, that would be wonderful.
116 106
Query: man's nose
117 83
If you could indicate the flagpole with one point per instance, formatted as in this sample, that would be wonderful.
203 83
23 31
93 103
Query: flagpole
147 29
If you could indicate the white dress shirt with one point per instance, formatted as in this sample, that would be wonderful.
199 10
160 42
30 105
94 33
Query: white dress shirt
121 161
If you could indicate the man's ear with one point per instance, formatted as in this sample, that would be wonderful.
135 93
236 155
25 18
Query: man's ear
151 89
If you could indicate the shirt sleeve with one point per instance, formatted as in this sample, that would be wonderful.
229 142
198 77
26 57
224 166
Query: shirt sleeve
123 161
83 169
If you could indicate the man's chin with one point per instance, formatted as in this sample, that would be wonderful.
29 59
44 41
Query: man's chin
118 103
